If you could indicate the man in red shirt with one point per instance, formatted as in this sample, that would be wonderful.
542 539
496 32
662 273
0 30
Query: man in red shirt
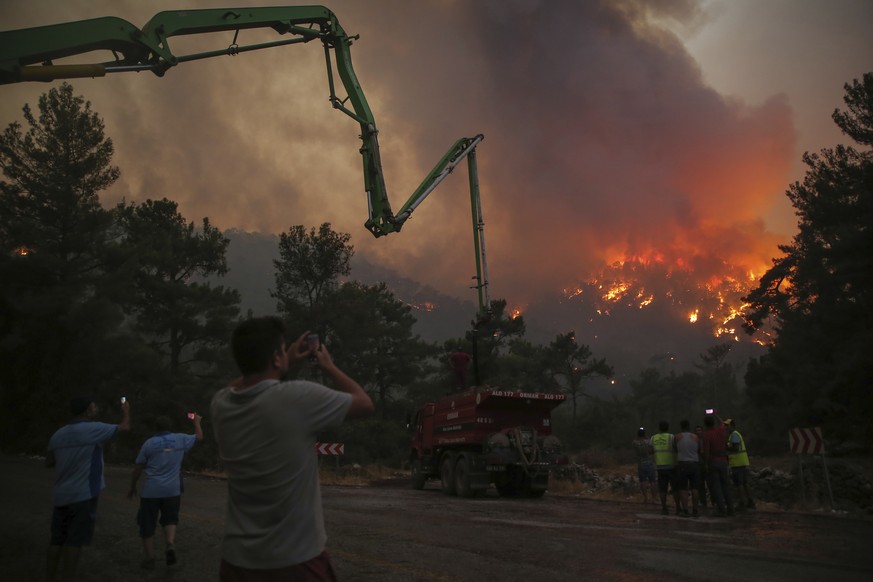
715 456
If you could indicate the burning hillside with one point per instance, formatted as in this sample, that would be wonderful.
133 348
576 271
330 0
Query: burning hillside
648 310
712 301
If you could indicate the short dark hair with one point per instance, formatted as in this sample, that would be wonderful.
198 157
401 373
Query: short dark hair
254 341
663 426
79 405
684 425
163 424
709 421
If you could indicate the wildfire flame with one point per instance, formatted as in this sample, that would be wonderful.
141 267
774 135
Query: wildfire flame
640 281
423 306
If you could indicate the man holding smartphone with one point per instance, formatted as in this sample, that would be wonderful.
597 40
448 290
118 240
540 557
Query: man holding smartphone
160 458
265 428
75 451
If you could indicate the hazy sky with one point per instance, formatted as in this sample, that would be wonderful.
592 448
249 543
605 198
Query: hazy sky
612 128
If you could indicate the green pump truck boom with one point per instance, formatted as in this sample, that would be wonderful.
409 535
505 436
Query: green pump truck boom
29 54
467 440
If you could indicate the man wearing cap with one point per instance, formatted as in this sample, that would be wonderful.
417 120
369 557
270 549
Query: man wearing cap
738 459
76 453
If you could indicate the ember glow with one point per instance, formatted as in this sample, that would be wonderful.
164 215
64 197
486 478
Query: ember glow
710 296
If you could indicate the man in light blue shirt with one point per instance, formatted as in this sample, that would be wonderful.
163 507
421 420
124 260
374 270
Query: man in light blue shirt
161 460
75 451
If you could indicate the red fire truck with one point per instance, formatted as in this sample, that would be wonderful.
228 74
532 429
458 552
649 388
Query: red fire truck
481 436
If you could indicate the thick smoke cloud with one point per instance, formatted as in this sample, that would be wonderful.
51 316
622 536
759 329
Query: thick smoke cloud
603 140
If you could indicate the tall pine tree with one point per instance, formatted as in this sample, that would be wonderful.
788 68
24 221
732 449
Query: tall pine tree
55 236
819 293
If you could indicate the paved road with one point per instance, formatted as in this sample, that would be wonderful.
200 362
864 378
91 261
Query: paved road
391 534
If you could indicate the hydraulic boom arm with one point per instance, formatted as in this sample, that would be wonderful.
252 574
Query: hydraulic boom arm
29 54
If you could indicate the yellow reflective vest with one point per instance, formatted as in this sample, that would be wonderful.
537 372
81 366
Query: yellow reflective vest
738 458
665 456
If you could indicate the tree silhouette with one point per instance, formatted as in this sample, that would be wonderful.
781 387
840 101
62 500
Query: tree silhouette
308 270
59 323
571 363
820 292
181 317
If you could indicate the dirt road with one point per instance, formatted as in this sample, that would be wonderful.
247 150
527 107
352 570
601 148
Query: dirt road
391 534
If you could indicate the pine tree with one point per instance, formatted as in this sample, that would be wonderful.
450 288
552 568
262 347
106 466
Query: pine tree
819 293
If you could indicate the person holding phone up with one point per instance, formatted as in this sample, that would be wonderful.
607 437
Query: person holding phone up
160 458
265 428
75 452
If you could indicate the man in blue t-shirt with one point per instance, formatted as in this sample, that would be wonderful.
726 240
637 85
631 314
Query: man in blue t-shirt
161 460
75 451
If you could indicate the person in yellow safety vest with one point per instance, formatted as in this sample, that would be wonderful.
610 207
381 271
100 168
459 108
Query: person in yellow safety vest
738 459
664 448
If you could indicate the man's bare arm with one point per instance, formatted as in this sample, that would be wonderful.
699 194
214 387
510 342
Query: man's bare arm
362 404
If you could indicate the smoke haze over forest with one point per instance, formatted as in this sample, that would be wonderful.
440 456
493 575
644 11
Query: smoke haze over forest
628 145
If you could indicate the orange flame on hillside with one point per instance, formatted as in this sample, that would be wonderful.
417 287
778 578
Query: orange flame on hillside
701 290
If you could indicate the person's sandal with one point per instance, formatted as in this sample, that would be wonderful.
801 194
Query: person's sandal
171 556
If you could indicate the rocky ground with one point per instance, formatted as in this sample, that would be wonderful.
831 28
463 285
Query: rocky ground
776 482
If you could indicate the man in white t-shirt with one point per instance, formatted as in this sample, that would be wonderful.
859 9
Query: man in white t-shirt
265 430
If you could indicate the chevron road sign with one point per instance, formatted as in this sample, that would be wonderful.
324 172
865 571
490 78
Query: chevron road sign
806 441
330 449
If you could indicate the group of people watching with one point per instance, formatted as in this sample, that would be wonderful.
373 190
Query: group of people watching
264 426
76 452
686 464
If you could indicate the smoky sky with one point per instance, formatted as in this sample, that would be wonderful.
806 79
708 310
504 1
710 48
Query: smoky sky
602 138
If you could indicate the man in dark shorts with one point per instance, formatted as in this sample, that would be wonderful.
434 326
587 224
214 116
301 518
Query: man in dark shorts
664 449
738 460
714 449
703 491
645 466
687 468
161 460
75 451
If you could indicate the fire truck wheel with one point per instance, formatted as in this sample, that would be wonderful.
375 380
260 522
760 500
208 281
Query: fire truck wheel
462 477
418 477
447 474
